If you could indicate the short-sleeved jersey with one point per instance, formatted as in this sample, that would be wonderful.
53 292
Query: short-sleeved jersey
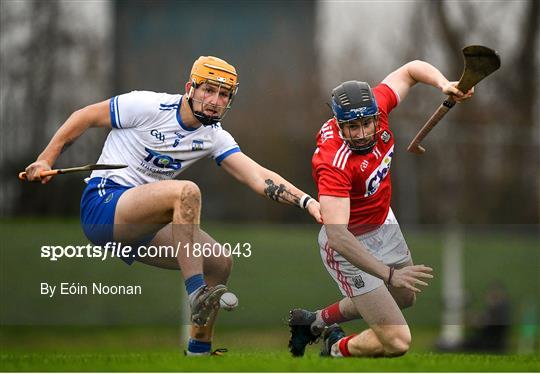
364 178
148 135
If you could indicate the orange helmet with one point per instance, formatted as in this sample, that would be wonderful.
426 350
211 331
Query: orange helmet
217 72
215 69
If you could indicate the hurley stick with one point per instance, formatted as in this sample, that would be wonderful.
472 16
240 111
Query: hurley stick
479 63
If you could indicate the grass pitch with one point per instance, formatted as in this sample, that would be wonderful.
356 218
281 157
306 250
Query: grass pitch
140 349
262 361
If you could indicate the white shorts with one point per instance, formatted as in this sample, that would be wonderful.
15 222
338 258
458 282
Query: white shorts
386 243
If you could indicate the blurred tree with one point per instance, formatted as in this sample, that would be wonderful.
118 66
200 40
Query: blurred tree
54 60
483 159
508 180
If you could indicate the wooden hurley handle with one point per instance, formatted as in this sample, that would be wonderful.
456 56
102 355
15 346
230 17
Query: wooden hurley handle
90 167
42 174
415 146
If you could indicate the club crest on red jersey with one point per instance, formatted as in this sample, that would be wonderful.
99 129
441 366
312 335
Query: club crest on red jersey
385 136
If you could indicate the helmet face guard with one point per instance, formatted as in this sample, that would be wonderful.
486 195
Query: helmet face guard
213 75
353 103
365 142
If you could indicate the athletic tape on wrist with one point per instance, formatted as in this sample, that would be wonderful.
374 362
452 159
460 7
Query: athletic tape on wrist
305 200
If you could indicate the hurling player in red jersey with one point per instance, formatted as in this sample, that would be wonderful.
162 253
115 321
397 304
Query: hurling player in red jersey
361 243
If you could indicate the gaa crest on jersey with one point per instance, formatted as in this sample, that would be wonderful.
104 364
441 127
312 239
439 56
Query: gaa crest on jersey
376 177
385 136
158 135
197 145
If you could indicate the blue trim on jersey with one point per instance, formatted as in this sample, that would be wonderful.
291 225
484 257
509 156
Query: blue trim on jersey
221 157
118 112
168 106
179 118
98 206
112 114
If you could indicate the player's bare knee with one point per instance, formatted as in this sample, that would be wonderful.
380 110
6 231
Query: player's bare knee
188 201
398 343
396 348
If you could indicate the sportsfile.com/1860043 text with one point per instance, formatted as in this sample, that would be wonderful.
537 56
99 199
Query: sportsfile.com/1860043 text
119 250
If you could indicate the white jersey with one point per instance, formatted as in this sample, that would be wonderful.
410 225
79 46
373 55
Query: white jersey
148 135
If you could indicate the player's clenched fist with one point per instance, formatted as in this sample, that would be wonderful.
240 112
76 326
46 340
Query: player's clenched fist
409 276
34 169
451 89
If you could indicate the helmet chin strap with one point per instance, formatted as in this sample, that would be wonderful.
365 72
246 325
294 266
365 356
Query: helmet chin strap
201 117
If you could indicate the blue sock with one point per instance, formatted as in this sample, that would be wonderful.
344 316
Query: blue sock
196 346
194 282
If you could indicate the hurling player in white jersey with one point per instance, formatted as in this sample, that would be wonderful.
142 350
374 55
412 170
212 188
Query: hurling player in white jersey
158 136
361 244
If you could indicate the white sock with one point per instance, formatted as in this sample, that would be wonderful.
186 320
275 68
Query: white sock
194 294
318 325
334 351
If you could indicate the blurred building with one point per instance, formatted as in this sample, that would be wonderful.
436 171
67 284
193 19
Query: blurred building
483 160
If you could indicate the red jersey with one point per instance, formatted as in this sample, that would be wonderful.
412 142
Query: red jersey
365 179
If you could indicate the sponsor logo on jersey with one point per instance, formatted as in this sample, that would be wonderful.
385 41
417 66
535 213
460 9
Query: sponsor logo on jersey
179 137
161 160
374 180
197 145
158 135
385 136
358 281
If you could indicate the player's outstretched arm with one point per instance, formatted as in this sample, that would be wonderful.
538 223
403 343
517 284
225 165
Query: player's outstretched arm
95 115
268 183
405 77
335 212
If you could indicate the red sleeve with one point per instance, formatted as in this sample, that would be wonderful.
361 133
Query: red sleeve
386 97
332 181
